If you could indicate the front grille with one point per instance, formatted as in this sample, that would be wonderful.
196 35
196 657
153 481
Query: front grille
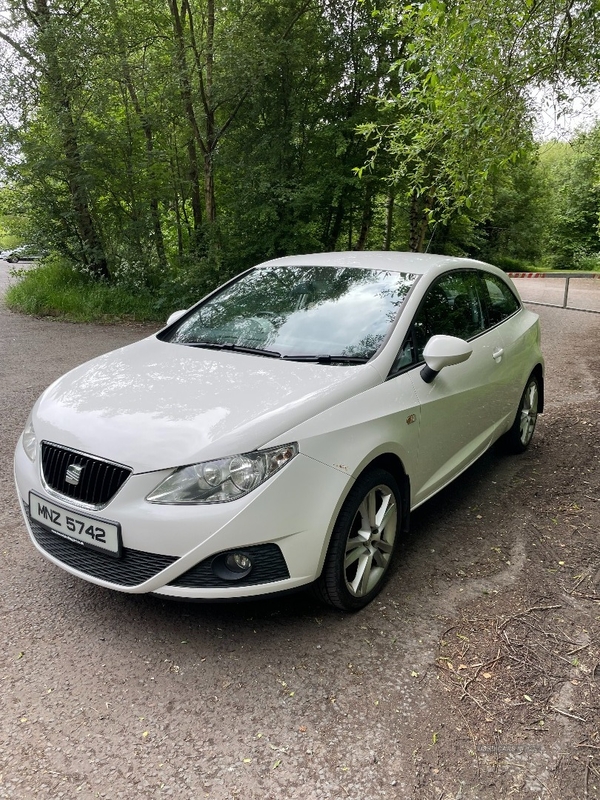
269 566
133 568
99 480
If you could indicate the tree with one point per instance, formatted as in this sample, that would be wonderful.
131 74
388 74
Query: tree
45 53
287 181
461 112
573 174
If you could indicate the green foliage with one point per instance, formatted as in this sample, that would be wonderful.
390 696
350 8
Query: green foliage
587 262
15 226
509 264
516 227
451 126
573 176
7 240
459 116
287 181
155 140
54 288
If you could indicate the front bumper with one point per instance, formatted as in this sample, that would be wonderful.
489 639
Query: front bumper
284 525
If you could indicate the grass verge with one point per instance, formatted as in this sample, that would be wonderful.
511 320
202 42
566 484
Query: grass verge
54 289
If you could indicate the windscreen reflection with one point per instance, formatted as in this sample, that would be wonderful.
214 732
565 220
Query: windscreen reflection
301 312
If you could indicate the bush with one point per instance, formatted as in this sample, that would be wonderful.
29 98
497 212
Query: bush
578 259
509 264
587 262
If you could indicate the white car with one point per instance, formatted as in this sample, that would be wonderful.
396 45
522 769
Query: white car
278 433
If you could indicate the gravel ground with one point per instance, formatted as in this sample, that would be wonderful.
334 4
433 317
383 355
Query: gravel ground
476 675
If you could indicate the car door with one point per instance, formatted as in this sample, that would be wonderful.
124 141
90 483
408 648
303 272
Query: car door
502 310
461 407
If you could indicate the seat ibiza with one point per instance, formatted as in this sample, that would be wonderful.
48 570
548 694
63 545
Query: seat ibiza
278 433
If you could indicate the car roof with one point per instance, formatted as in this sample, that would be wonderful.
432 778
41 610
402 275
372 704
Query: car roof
415 263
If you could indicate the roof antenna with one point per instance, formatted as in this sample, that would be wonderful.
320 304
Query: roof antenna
431 237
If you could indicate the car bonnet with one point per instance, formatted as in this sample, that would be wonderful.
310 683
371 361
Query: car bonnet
154 405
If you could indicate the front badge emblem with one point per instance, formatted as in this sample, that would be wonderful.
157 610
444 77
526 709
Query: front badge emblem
73 474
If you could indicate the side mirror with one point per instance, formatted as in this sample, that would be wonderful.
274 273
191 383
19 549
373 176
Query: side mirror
175 316
443 351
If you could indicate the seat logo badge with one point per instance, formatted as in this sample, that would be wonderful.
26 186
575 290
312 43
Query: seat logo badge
73 474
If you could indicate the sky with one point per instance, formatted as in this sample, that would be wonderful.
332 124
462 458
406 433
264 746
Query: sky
561 120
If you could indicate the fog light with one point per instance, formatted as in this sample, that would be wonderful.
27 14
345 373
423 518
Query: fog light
238 562
232 566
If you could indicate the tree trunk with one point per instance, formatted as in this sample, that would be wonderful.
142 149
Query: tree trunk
418 224
211 141
194 178
334 230
93 249
185 89
389 220
76 177
159 241
210 205
366 219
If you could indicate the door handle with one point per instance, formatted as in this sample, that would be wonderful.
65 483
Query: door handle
497 354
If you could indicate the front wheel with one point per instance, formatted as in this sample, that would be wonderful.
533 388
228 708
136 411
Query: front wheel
519 436
362 542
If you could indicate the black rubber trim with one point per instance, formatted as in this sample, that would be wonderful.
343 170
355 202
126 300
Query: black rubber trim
268 566
134 566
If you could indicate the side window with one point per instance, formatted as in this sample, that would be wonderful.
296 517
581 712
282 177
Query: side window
451 307
405 357
499 299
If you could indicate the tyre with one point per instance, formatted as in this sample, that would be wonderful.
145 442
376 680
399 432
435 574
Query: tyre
517 439
362 543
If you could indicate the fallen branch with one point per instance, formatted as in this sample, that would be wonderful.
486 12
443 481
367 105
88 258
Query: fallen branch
580 581
578 649
528 611
582 596
566 714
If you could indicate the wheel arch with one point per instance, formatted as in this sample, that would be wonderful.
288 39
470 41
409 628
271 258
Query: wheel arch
351 582
393 464
538 371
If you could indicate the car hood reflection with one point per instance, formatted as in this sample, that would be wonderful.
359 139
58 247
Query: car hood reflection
154 405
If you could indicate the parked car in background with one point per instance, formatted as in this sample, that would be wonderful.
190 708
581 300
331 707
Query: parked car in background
23 253
278 433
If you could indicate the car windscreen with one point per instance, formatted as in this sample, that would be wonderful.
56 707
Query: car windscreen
299 312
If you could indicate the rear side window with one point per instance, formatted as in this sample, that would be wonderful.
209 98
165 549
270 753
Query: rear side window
499 299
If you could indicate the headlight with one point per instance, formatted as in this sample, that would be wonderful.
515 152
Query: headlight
29 439
222 480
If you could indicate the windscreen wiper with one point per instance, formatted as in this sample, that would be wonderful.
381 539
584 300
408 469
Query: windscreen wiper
329 359
257 351
236 348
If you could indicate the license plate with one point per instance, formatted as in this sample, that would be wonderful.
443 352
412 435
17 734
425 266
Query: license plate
81 528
